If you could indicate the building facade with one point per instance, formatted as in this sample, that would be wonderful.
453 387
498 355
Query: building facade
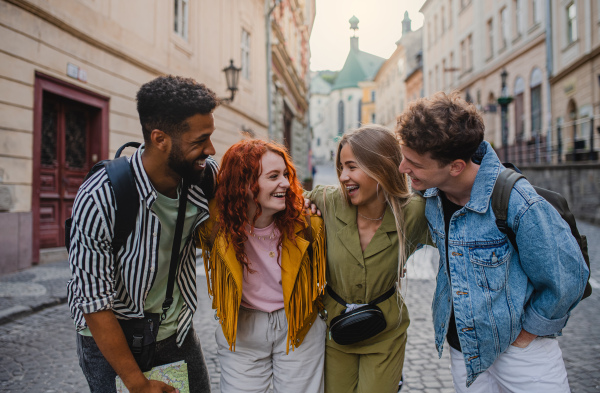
69 73
467 45
290 28
391 77
575 80
346 96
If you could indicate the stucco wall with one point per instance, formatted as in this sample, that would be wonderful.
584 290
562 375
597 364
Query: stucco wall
579 184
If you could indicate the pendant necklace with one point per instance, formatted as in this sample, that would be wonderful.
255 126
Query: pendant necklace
269 238
372 219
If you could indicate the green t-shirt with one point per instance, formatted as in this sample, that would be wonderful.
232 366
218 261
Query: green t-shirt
165 209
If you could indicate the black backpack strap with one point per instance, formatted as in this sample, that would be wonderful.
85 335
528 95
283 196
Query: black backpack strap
120 176
500 197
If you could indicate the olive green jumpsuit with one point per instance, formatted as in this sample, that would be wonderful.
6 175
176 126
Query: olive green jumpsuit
373 365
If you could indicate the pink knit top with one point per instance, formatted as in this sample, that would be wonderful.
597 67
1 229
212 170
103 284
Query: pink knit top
262 289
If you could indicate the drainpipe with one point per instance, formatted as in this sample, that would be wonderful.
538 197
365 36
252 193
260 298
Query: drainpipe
549 72
268 11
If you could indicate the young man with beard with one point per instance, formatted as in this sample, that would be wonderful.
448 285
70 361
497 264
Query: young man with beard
177 121
500 310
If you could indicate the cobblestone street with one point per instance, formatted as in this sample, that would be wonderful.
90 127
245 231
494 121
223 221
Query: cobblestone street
37 351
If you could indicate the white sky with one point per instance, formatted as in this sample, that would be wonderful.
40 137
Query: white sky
379 28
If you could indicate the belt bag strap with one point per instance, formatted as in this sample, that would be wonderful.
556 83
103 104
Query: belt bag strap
378 300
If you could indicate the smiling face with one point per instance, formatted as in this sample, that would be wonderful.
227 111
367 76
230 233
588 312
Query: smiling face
424 171
190 150
273 183
360 188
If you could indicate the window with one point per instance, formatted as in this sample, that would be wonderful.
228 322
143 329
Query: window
341 117
245 54
435 28
571 23
443 74
449 13
470 51
443 18
180 18
373 118
504 21
536 11
519 108
463 57
517 4
536 101
490 38
372 95
452 68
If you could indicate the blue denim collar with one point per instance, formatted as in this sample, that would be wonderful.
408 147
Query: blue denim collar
483 186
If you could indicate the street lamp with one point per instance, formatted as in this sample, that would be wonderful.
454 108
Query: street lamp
232 75
503 101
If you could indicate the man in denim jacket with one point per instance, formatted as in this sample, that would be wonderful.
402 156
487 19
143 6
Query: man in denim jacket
500 308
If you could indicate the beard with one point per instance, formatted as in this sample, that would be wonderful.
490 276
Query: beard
185 169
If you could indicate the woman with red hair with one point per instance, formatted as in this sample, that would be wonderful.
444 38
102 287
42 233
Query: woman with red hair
265 267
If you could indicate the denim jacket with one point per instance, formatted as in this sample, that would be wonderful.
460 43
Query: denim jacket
495 291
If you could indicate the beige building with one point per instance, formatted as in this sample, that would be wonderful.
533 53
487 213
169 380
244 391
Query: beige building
576 79
467 45
391 77
367 107
69 72
292 22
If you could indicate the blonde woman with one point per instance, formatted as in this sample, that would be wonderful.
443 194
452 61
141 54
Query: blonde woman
373 223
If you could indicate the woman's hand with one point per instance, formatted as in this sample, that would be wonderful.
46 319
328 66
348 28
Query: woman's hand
311 207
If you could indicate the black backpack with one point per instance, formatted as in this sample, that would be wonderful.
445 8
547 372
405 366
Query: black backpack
122 181
501 194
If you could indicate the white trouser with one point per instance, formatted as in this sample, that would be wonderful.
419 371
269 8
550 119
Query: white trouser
260 356
537 368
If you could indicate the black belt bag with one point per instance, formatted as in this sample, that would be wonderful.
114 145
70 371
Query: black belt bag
359 324
140 334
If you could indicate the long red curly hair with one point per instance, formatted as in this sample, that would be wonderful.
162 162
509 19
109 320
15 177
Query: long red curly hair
239 173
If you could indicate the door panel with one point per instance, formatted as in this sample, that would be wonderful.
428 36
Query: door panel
64 163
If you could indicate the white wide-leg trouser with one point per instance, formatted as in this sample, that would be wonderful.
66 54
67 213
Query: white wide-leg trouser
260 356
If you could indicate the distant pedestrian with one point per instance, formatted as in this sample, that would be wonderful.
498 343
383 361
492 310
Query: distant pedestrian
265 265
374 223
499 309
176 116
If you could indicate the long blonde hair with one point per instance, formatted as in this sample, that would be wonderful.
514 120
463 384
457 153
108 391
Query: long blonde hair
378 154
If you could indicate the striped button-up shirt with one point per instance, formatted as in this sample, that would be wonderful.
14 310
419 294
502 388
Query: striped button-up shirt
101 281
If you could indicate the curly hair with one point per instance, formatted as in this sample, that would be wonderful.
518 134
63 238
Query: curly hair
238 176
166 102
445 126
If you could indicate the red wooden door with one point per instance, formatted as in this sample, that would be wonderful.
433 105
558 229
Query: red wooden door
65 160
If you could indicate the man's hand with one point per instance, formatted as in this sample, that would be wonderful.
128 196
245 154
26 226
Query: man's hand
111 341
153 386
524 339
311 207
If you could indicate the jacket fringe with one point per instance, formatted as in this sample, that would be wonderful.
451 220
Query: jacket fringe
305 299
308 288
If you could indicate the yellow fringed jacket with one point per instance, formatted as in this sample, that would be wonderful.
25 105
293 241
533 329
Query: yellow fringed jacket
302 278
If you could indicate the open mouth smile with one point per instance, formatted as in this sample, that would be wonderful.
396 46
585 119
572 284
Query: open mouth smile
352 189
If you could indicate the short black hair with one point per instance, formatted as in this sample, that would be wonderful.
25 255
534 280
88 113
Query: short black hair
166 102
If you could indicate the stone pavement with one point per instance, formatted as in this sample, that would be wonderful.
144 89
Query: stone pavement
37 338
